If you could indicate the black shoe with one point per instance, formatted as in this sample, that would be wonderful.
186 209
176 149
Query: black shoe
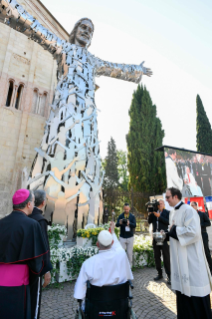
168 280
159 276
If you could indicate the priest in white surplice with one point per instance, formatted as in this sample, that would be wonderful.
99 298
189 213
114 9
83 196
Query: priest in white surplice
173 179
190 274
109 267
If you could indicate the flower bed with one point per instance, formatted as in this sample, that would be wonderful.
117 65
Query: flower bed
56 234
92 233
68 261
143 254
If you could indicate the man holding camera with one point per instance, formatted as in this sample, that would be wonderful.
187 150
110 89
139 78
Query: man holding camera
160 221
127 222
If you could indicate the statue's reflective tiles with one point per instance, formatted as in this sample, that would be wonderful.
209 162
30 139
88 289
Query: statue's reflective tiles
67 164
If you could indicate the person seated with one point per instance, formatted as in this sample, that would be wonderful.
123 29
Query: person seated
108 268
189 178
191 182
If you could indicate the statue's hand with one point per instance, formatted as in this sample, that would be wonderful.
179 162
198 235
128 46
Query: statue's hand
146 71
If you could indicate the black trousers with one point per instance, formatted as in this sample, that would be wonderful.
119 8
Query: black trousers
15 302
199 182
166 257
207 250
206 185
193 307
36 290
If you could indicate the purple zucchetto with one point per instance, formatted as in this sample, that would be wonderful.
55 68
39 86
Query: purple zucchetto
20 196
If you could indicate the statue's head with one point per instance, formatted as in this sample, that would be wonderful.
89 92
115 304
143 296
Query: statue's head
82 33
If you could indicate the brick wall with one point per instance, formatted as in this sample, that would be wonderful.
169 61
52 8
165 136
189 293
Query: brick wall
24 63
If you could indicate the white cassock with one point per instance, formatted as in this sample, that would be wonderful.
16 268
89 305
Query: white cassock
194 188
107 268
190 274
189 178
172 177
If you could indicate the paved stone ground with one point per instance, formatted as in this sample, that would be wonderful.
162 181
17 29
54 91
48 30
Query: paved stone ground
151 300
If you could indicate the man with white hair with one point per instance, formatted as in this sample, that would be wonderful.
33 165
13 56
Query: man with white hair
191 182
189 178
108 268
159 221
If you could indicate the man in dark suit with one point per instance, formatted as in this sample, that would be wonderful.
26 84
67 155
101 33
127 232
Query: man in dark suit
36 288
204 177
160 221
197 172
204 222
207 164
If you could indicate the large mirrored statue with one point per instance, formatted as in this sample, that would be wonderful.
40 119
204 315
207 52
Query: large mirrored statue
67 164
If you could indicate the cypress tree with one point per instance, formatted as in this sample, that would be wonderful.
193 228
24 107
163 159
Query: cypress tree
111 179
146 167
203 128
123 170
159 171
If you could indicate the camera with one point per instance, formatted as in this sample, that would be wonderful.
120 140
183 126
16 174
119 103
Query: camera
152 206
124 221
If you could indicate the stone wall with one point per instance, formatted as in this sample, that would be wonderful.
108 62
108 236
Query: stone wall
29 72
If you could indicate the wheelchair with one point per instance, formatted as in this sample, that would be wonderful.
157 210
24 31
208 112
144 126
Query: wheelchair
107 301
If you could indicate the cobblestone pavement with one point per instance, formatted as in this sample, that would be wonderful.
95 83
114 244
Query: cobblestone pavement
153 300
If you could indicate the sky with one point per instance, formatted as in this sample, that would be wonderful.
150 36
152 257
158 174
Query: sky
173 37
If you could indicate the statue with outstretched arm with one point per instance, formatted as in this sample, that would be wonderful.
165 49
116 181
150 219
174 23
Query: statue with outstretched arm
77 70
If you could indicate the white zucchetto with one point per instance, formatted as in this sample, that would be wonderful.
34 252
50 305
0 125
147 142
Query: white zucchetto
105 238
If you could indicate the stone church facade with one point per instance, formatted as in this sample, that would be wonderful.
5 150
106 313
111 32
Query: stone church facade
26 93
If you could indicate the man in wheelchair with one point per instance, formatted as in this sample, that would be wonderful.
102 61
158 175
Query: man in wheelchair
104 281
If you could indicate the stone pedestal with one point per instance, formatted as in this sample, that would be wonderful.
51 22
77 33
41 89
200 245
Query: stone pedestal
64 273
84 242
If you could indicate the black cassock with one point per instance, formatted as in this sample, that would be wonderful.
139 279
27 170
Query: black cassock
36 287
193 307
22 248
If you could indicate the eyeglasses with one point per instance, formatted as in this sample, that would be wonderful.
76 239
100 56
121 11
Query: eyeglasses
167 197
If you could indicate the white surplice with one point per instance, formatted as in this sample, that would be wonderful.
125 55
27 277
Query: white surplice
190 273
107 268
173 179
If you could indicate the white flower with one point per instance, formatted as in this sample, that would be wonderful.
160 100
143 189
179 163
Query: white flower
65 253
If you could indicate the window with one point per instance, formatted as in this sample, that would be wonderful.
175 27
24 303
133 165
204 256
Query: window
39 102
43 104
19 96
10 93
35 100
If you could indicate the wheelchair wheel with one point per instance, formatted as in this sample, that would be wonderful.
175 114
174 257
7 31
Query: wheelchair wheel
79 314
133 316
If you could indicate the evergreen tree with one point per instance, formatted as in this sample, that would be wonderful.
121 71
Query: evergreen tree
123 170
203 128
111 178
159 173
146 167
